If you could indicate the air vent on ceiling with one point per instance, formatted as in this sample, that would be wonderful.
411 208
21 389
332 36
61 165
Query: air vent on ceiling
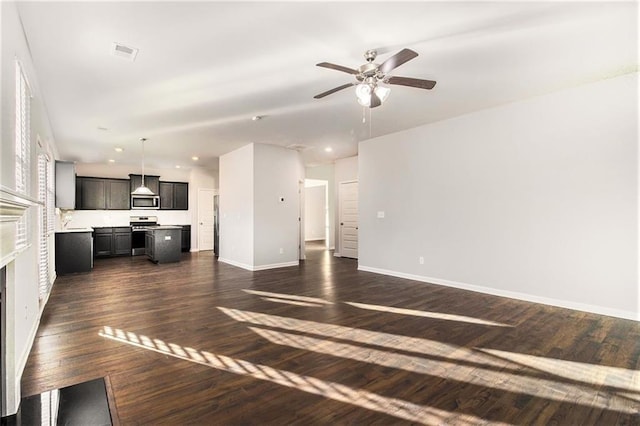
126 52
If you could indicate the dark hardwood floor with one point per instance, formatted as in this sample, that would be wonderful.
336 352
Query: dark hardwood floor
202 342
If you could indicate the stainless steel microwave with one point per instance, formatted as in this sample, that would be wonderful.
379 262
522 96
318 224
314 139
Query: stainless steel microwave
146 202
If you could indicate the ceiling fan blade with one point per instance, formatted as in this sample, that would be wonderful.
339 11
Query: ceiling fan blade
411 82
337 67
334 90
396 60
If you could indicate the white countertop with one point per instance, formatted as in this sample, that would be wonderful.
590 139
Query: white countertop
61 231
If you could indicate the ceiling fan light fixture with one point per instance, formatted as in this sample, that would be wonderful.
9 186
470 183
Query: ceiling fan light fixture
363 93
382 92
365 90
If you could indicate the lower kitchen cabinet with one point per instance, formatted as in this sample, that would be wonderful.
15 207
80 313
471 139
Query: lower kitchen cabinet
115 241
74 251
122 241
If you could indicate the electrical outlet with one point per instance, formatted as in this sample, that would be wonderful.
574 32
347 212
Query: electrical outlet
380 215
421 260
281 250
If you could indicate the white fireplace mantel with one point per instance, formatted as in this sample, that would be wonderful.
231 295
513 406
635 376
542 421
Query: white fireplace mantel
12 206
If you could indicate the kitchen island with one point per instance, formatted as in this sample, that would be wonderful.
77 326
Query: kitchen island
163 243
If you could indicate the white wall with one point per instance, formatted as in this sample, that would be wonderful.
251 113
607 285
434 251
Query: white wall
276 227
120 171
315 205
346 170
22 278
536 200
236 207
257 230
327 172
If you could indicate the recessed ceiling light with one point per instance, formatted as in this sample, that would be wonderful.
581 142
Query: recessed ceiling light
111 160
328 149
194 158
177 166
119 149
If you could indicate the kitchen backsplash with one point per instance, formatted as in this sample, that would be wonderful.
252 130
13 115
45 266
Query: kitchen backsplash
98 218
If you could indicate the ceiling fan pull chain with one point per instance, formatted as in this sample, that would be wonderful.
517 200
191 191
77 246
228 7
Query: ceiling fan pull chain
364 115
369 123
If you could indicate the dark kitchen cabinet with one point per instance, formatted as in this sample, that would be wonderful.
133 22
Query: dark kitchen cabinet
150 181
186 238
122 241
102 242
174 196
118 194
102 194
110 242
73 252
163 244
92 194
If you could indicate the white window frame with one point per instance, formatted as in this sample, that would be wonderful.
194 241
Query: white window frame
22 150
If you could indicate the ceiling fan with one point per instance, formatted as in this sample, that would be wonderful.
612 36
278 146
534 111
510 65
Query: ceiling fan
369 91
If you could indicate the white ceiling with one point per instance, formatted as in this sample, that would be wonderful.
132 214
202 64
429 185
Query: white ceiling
205 68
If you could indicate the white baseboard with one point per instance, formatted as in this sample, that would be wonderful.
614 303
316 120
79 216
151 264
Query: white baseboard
258 267
193 250
315 239
601 310
336 254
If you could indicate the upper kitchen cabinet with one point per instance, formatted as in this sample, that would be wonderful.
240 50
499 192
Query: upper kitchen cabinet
92 194
174 196
102 194
151 182
118 194
65 185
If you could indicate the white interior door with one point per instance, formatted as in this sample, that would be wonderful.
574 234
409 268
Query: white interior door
205 219
348 199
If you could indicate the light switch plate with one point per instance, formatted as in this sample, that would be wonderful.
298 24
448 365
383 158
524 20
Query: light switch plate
380 215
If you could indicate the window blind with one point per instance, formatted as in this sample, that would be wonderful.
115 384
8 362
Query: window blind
22 146
44 284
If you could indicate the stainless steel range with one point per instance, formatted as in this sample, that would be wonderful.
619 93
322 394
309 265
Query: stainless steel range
139 225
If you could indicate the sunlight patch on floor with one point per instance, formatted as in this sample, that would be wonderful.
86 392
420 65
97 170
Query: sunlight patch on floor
292 302
416 345
284 296
622 378
513 372
391 406
425 314
516 381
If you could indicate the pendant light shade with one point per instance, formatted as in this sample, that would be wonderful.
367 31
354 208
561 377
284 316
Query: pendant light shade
142 189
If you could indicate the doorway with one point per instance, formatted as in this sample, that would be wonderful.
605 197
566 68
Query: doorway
316 212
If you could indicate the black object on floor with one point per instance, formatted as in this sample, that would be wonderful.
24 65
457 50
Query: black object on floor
84 404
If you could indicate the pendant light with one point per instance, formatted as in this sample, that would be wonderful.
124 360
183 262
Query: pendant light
142 190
